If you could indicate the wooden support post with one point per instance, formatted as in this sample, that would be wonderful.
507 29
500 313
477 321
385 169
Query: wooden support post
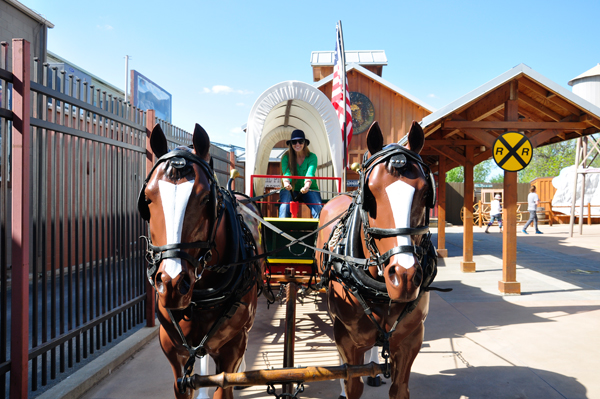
441 206
150 296
509 284
21 107
467 265
290 324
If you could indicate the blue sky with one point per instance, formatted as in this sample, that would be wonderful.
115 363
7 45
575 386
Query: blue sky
217 57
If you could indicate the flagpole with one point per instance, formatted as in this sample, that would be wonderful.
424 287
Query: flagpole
343 57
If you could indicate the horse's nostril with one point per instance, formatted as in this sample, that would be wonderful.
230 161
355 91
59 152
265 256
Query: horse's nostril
393 276
185 284
160 286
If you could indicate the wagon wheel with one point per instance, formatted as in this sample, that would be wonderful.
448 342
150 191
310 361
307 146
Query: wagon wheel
519 213
486 214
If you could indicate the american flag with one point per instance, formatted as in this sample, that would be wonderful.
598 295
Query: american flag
337 93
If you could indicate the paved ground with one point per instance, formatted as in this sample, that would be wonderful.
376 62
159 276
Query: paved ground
478 343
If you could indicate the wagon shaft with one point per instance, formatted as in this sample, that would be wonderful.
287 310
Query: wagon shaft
279 376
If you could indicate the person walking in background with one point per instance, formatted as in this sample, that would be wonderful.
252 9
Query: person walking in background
532 203
299 161
495 213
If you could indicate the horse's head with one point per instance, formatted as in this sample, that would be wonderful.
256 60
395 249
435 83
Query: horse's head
179 201
398 193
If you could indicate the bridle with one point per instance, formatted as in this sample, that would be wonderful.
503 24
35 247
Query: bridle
156 254
398 157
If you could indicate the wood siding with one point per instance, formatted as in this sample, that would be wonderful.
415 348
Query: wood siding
394 112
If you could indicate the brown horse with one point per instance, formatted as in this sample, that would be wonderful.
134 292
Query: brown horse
378 288
207 291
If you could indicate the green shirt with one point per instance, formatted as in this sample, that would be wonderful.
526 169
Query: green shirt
308 169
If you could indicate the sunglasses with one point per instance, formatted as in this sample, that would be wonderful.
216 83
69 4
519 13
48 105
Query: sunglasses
299 141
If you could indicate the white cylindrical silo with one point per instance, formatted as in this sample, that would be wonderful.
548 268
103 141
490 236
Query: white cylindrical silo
587 85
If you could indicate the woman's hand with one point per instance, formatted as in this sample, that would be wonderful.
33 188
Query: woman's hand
306 187
288 186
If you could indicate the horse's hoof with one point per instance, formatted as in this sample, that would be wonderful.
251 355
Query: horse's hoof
341 397
374 382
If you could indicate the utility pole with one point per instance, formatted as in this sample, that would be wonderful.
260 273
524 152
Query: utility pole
126 77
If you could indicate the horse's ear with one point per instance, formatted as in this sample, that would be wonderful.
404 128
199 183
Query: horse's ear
374 139
201 142
416 138
158 141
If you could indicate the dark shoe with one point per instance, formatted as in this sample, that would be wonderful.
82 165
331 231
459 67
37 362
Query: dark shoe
524 232
538 232
487 232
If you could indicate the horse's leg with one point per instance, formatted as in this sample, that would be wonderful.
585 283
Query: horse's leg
350 354
402 356
177 362
373 356
229 360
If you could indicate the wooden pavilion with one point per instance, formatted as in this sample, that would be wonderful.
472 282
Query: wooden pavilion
463 134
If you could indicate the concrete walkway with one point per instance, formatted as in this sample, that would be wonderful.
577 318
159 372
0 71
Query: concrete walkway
478 343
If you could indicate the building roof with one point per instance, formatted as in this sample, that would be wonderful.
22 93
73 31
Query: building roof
595 71
520 99
379 80
30 12
511 74
361 57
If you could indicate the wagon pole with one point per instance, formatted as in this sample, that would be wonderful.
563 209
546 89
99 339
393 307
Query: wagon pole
280 376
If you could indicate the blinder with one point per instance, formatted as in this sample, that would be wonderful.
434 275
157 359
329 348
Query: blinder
398 157
173 156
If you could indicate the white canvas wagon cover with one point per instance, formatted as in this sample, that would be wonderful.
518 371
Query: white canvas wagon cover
281 109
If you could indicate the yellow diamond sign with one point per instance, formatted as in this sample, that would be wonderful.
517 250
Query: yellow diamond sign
512 151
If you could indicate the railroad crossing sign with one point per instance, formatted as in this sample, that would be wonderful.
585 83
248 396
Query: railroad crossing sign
512 151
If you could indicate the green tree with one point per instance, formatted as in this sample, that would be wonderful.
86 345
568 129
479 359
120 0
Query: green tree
480 173
548 161
456 175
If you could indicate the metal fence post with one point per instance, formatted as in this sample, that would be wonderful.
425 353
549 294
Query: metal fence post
21 107
150 298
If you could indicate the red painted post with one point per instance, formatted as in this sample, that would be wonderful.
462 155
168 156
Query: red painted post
150 298
20 218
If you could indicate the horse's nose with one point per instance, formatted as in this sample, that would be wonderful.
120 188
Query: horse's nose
401 283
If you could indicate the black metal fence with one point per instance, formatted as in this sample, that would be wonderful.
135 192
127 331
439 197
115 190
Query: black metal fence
83 256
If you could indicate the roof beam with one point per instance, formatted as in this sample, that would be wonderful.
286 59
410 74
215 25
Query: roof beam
545 94
462 125
481 136
540 138
452 154
450 142
591 120
540 107
488 105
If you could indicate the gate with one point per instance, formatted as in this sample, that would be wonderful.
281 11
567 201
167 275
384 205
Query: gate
72 272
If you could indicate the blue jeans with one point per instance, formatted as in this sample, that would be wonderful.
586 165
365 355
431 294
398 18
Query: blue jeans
498 218
532 218
312 199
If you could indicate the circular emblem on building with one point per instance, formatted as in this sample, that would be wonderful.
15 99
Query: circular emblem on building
363 113
512 151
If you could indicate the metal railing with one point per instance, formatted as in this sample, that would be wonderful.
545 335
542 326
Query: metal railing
72 272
